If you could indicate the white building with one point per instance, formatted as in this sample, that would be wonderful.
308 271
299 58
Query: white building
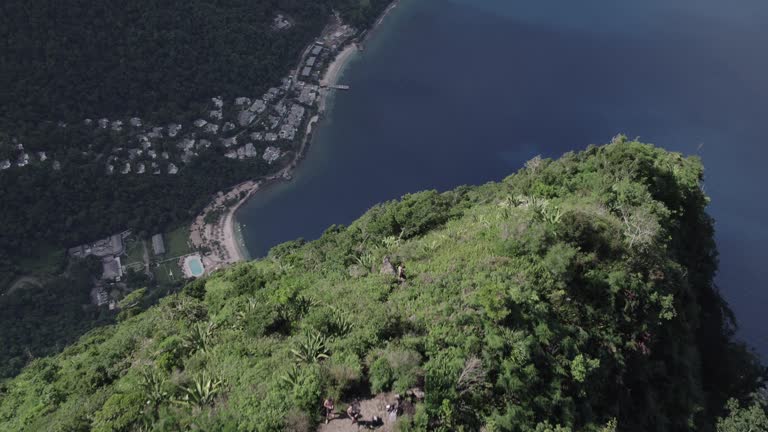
258 106
173 129
271 154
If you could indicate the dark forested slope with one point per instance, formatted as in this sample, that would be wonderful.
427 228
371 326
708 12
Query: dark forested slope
76 59
574 295
161 61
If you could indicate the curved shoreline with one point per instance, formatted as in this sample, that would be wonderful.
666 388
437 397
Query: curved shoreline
224 238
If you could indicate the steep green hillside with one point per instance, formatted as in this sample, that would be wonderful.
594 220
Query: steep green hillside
574 295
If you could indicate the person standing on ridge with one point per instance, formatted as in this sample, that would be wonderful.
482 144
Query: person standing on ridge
328 406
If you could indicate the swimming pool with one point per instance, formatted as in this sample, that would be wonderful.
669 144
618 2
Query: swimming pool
195 265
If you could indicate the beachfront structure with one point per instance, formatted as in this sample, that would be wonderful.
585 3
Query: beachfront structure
112 268
112 245
158 245
99 296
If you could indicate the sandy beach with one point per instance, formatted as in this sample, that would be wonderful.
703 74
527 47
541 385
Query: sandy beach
333 73
221 240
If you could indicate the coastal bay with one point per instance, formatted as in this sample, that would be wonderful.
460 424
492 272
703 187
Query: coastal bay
216 229
464 92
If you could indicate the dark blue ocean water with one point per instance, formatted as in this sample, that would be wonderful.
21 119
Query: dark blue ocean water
455 92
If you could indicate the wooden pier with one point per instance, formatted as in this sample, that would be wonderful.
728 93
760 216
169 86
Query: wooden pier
334 86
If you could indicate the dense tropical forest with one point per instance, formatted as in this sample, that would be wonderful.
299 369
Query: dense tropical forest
68 61
158 60
574 295
42 318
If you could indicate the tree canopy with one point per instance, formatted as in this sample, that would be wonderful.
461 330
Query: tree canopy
65 62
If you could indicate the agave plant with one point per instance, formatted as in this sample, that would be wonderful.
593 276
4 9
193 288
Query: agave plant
390 242
243 314
200 338
365 259
340 321
291 377
152 385
312 348
295 308
552 214
201 392
282 265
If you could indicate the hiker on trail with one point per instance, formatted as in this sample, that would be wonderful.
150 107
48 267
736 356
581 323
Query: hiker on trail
401 272
328 405
353 411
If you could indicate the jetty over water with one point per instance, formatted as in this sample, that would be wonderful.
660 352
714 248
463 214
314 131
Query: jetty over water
335 86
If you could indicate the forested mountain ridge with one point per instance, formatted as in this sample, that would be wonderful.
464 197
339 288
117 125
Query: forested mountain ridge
575 295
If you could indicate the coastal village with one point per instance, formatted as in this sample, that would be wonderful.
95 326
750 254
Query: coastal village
265 126
241 129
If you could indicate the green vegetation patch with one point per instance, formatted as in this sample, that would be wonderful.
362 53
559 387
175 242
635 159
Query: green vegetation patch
168 272
575 295
177 242
134 252
44 260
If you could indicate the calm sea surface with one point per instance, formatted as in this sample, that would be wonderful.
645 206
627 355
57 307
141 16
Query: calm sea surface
455 92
